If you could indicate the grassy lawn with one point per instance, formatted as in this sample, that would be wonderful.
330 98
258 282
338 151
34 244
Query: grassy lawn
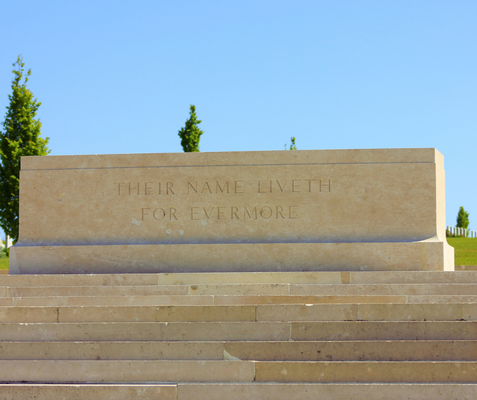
4 263
465 250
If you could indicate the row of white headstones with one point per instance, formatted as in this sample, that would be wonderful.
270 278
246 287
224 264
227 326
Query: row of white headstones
454 230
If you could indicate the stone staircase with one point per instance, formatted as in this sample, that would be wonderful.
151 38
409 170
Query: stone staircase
277 335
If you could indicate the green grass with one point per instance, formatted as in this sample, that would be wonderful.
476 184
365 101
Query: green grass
465 250
4 263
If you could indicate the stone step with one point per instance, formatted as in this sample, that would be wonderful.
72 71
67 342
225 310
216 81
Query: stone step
87 391
325 391
377 350
366 371
127 371
322 277
71 301
352 299
240 391
79 280
367 312
247 289
393 289
243 331
138 331
135 371
190 300
466 267
434 299
272 312
384 330
396 350
139 290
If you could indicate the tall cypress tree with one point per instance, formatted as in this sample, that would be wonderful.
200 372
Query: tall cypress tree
20 137
190 134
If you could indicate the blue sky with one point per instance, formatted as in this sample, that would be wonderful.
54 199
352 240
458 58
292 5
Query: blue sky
119 76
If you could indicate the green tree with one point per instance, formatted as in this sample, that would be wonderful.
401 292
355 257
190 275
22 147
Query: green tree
190 134
462 219
20 137
293 145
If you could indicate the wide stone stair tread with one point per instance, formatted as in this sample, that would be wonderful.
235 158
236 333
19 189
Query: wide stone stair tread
241 391
326 391
107 371
250 331
88 391
258 313
290 335
357 350
249 289
207 278
168 300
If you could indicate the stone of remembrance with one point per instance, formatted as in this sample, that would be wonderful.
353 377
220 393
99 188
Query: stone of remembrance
330 210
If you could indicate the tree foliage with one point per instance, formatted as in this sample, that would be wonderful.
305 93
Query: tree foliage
292 145
20 137
462 219
190 134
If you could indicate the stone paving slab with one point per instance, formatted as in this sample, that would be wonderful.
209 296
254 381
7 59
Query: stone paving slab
137 331
366 371
233 331
384 330
302 277
326 391
245 290
87 391
411 350
56 371
118 371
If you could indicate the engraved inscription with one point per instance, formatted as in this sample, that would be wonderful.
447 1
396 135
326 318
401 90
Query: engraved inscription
160 213
236 212
293 185
149 188
324 186
198 212
214 187
144 188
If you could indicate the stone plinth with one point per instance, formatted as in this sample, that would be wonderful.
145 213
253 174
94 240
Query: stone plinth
332 210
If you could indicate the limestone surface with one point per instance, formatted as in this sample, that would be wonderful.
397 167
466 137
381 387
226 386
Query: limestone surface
323 210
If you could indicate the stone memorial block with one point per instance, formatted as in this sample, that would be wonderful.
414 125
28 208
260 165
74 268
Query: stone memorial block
239 211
